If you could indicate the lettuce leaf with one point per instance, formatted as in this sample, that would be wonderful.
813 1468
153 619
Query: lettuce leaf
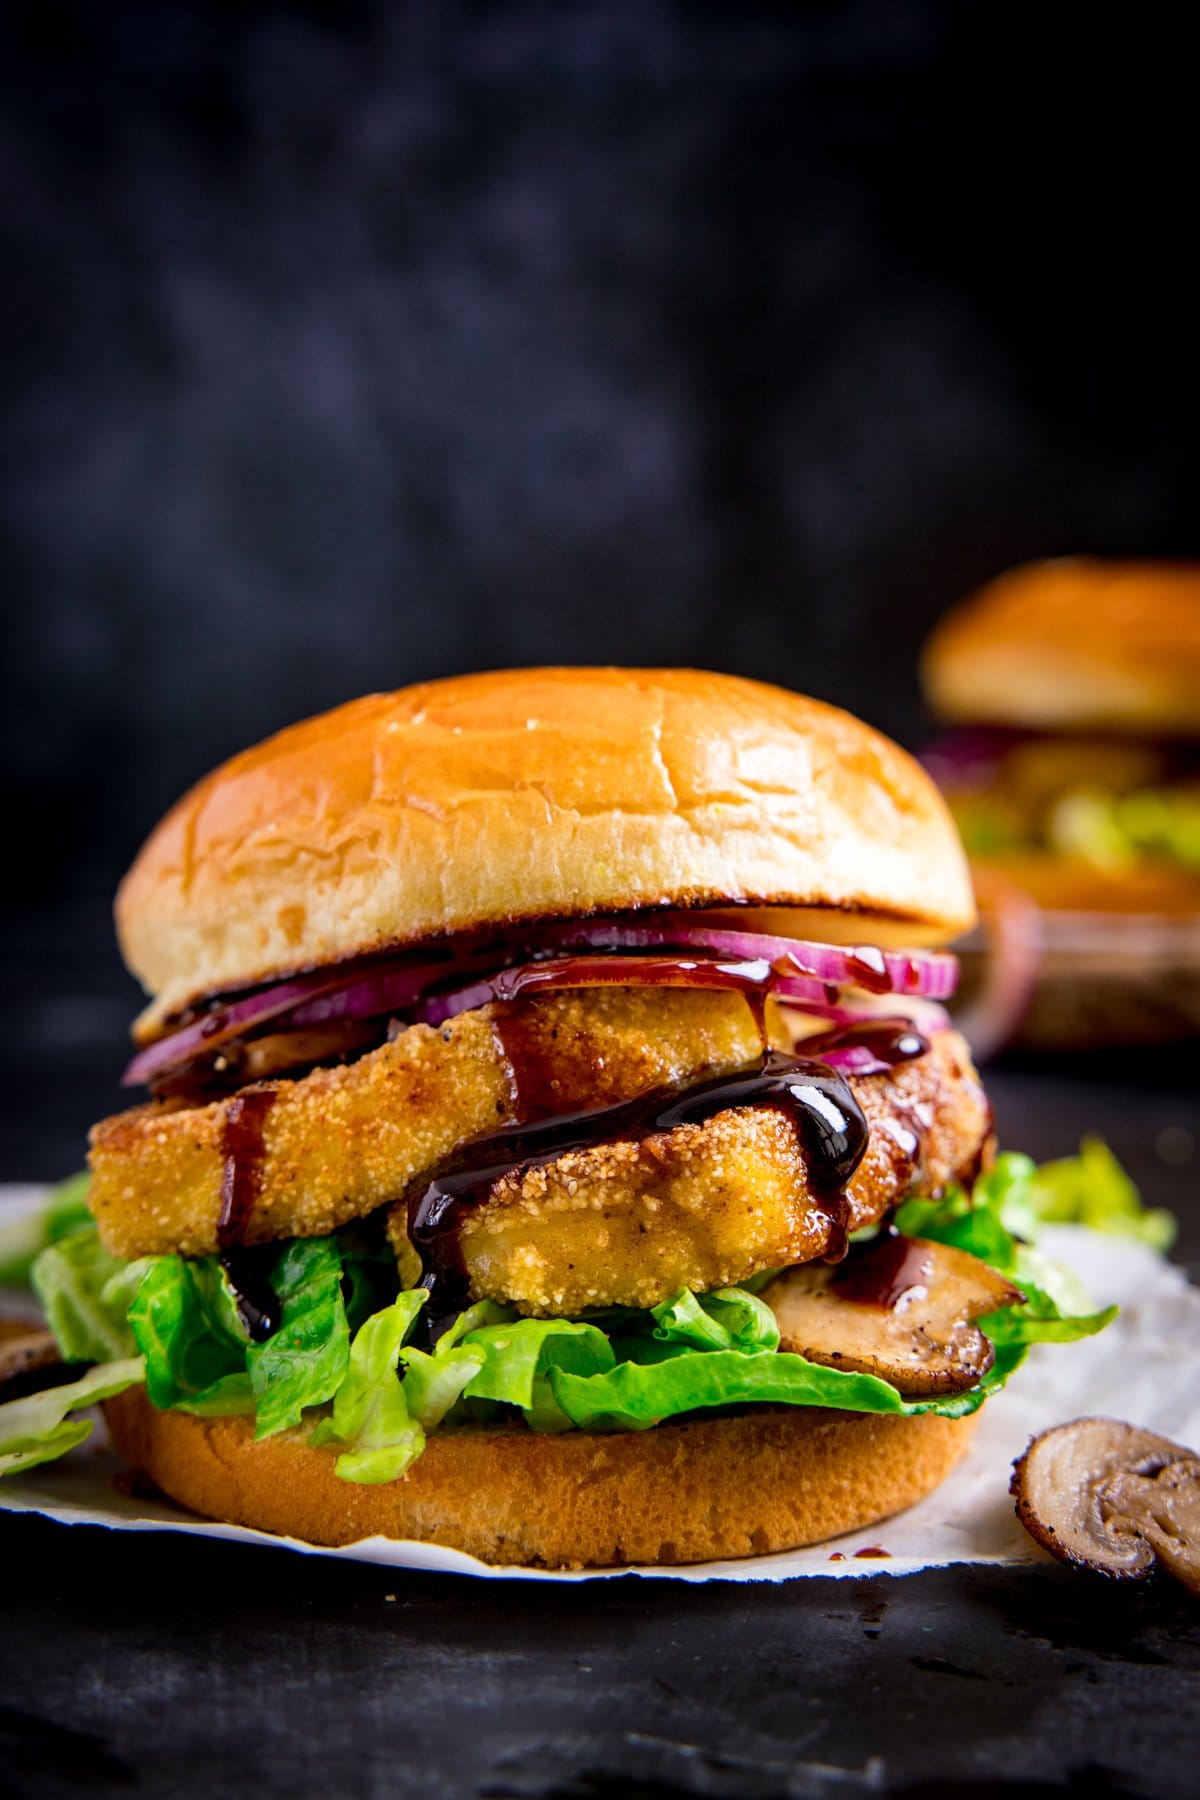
635 1396
1114 830
370 1408
999 1223
21 1241
304 1362
86 1294
1030 1324
1093 1189
369 1281
185 1323
729 1319
37 1428
434 1383
520 1357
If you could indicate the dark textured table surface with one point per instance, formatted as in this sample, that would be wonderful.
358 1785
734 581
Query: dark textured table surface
177 1667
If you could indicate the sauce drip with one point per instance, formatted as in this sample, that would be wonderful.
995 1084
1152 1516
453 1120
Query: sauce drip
886 1272
831 1123
889 1041
865 966
248 1273
241 1182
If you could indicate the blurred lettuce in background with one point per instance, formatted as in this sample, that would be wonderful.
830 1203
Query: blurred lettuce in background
22 1239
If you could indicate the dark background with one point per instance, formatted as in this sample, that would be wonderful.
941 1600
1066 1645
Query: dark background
350 344
346 345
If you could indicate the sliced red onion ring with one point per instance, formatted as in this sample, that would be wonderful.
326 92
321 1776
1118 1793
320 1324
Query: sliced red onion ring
925 1016
752 975
310 1000
792 970
602 971
932 974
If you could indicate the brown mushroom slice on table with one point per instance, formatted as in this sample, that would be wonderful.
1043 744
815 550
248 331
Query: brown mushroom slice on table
29 1359
901 1308
1164 1508
1103 1495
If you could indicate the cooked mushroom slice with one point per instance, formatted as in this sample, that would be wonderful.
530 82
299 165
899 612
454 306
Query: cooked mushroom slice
1085 1491
1164 1509
900 1308
29 1359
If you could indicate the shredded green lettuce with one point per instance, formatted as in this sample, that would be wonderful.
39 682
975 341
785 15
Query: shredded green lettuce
37 1428
303 1363
86 1296
1113 830
519 1360
1093 1189
1087 822
23 1239
370 1408
729 1319
434 1384
342 1361
634 1396
186 1326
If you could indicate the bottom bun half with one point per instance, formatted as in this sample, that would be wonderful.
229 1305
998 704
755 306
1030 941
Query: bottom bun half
771 1479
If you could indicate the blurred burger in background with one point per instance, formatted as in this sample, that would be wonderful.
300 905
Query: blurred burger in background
1072 767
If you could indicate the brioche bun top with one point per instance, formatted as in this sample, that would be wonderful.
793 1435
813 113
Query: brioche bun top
528 794
1073 644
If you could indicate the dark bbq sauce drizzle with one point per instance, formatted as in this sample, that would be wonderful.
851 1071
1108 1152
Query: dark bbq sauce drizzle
890 1041
885 1272
241 1182
867 967
832 1126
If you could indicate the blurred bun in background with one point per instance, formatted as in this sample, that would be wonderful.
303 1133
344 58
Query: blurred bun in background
1074 778
1076 644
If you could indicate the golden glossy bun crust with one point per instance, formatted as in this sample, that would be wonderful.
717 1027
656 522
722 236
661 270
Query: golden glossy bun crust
765 1480
1074 644
528 794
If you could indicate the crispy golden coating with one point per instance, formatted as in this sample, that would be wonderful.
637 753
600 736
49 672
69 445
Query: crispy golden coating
343 1141
708 1205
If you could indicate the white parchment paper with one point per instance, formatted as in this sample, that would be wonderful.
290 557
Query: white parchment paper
1145 1368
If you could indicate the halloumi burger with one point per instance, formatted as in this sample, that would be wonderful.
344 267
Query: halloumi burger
557 1148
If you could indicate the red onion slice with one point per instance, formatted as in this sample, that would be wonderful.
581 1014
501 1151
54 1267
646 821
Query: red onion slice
792 970
932 974
924 1016
753 976
310 1000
